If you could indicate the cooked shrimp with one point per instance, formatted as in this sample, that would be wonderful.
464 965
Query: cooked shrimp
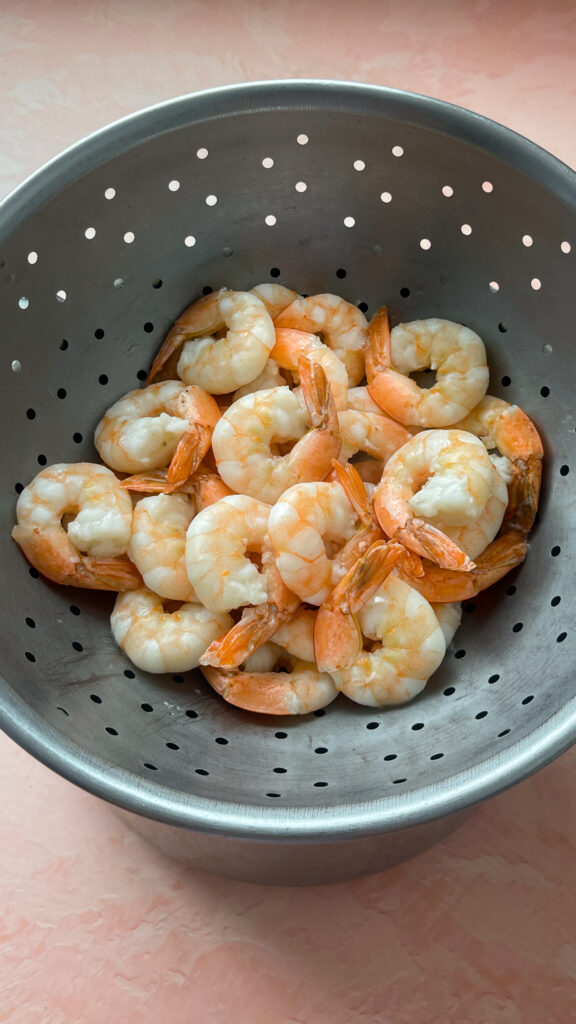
438 585
291 345
445 475
409 646
337 633
507 428
300 522
91 551
223 364
342 326
158 543
159 641
455 352
298 691
243 439
274 296
270 377
217 546
151 427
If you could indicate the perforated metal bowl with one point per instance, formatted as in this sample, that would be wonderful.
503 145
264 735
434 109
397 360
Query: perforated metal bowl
379 196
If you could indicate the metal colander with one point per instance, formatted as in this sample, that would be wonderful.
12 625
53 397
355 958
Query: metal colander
379 196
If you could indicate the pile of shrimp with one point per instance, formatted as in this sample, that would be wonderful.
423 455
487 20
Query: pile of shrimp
284 506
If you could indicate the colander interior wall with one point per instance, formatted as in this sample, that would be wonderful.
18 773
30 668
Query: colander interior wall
380 197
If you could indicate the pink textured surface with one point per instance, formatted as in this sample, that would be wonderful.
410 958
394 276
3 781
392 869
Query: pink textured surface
97 927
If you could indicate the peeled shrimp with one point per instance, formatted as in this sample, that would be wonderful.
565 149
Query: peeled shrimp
221 365
298 691
500 557
291 345
300 522
159 641
449 616
408 647
217 545
151 427
91 551
474 537
507 428
242 442
439 475
342 326
158 544
455 352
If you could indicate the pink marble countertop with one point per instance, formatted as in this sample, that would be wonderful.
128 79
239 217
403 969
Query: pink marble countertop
97 927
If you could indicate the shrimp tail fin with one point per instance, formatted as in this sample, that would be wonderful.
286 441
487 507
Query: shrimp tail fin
524 492
367 576
318 396
355 489
189 453
439 585
117 574
379 349
429 542
255 627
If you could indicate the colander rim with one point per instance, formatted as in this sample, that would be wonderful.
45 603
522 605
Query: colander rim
346 820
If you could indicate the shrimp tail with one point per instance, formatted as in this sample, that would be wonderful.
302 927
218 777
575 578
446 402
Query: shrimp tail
379 349
107 574
189 453
337 636
208 488
318 396
440 585
255 627
355 489
154 482
431 543
524 492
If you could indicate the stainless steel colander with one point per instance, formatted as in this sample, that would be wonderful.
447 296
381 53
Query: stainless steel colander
377 195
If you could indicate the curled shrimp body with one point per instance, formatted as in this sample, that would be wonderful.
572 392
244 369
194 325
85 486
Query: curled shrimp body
455 352
291 345
159 641
342 326
242 442
474 537
154 426
300 522
158 544
221 365
297 689
408 646
439 475
507 428
217 545
91 552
